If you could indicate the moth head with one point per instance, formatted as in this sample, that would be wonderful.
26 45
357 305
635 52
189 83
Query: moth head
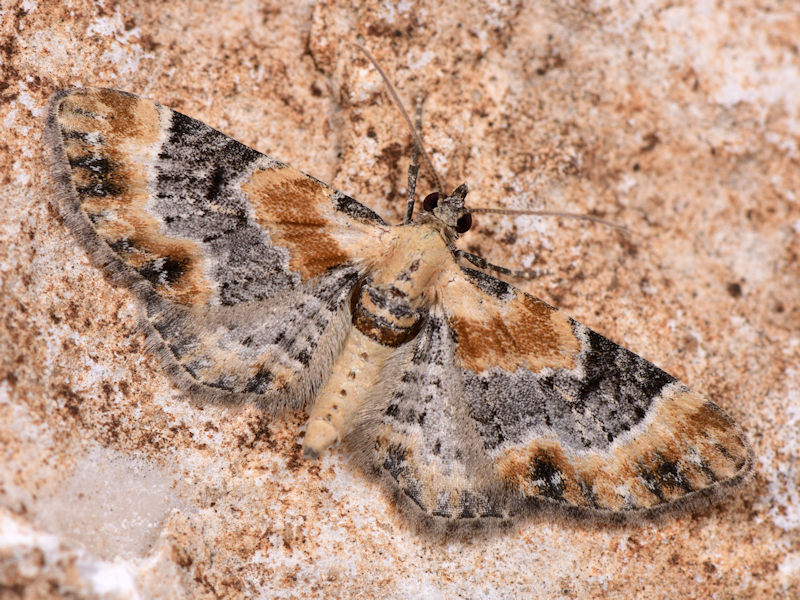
449 210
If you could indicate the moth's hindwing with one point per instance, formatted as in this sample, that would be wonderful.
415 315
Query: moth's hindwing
245 265
503 405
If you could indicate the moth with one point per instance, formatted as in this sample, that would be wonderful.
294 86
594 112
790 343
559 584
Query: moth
471 400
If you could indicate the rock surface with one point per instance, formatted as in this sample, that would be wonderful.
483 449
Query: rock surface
679 120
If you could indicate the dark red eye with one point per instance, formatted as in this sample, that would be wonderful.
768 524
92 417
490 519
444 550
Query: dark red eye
464 223
431 201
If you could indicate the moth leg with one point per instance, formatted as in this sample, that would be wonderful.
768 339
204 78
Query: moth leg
482 263
413 169
356 370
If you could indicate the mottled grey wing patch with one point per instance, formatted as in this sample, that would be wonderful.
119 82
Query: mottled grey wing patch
198 194
418 434
276 353
586 408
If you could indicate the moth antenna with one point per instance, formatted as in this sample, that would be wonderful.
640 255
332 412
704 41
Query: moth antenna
548 213
411 128
413 171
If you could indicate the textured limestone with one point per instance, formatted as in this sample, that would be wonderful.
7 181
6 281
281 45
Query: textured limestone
679 120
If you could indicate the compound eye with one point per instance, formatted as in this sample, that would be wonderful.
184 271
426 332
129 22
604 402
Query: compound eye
464 223
431 201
